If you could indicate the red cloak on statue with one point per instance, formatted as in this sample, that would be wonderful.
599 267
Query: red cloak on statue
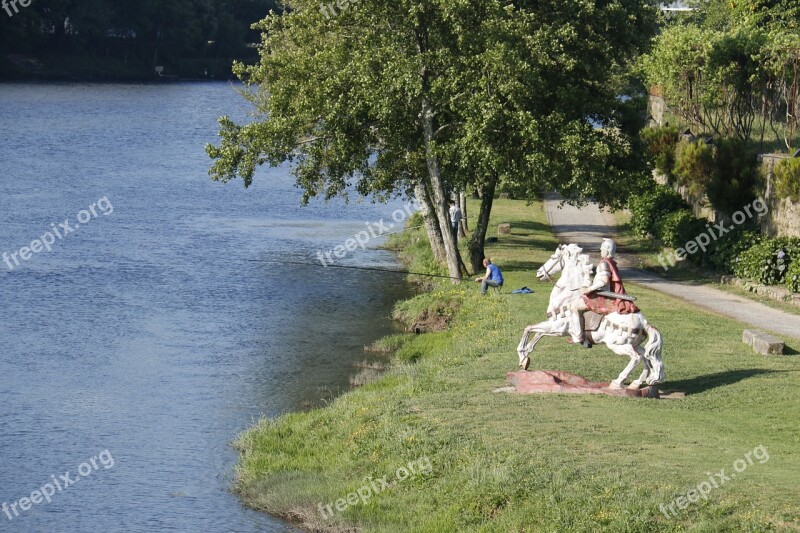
605 306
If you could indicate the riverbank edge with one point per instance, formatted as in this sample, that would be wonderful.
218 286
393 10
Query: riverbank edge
435 403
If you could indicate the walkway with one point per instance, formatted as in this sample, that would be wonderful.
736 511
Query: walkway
588 225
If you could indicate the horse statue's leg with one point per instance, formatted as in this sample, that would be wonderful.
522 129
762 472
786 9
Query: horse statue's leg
652 354
647 368
629 351
541 329
525 346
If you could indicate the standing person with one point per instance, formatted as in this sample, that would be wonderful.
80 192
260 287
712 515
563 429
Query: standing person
455 219
493 277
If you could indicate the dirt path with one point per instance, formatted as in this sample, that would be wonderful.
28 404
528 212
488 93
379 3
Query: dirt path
588 225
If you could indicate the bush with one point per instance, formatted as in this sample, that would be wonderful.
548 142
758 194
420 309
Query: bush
787 179
793 276
694 165
727 248
677 228
768 261
648 208
735 176
660 143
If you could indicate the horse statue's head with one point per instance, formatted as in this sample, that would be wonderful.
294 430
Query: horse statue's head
566 255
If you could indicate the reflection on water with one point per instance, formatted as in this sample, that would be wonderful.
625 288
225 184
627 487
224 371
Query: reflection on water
151 332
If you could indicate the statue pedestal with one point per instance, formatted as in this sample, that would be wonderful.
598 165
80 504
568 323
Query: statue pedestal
541 381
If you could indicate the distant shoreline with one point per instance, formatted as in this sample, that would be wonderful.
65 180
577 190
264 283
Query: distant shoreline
76 68
138 81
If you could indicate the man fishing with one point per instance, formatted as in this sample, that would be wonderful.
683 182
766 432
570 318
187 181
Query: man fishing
492 278
599 296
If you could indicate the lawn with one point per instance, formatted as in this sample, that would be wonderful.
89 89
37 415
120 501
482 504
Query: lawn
505 462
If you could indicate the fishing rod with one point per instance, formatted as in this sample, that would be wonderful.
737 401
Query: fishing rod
373 269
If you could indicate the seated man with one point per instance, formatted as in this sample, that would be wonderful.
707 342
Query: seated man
493 277
606 279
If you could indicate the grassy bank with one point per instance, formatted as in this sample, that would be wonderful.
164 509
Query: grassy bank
503 462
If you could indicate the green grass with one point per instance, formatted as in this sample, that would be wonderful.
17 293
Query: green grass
505 462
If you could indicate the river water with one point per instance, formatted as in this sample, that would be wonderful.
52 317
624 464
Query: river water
147 337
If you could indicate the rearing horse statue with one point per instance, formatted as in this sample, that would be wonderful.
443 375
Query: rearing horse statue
623 334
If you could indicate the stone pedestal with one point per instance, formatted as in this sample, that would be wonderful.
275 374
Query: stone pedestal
543 381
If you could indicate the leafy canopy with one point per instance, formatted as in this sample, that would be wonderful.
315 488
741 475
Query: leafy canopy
515 88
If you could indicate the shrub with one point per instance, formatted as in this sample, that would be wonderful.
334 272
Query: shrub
694 165
787 179
768 261
727 248
660 143
735 176
677 228
793 276
647 209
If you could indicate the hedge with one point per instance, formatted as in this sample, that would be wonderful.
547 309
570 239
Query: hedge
793 276
768 261
646 209
787 179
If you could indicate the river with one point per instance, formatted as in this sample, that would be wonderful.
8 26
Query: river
148 336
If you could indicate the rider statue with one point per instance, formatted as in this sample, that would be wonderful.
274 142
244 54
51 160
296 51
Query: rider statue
606 280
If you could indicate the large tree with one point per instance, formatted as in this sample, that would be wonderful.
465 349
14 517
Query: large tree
434 96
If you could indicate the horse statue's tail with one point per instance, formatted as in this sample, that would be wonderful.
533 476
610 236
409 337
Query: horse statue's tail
652 352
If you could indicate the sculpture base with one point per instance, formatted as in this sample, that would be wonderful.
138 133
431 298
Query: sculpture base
541 381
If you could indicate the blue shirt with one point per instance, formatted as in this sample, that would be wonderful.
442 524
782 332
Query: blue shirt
494 273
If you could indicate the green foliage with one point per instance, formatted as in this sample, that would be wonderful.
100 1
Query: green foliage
768 261
648 208
781 58
734 177
694 165
787 179
793 276
676 64
414 250
724 75
726 249
677 228
505 84
660 144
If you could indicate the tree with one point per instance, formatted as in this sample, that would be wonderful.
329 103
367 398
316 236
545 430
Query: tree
437 95
730 65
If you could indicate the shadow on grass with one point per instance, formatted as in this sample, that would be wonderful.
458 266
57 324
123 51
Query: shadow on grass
522 266
788 350
720 379
522 232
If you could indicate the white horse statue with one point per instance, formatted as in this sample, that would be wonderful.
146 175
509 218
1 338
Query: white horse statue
623 334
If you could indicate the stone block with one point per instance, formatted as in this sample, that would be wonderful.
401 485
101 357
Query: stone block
504 229
763 343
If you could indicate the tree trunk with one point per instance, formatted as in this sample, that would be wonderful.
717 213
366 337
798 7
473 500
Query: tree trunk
439 197
463 228
431 226
478 240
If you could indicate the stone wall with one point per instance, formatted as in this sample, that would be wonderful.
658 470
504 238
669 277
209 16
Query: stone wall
783 219
656 107
700 205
